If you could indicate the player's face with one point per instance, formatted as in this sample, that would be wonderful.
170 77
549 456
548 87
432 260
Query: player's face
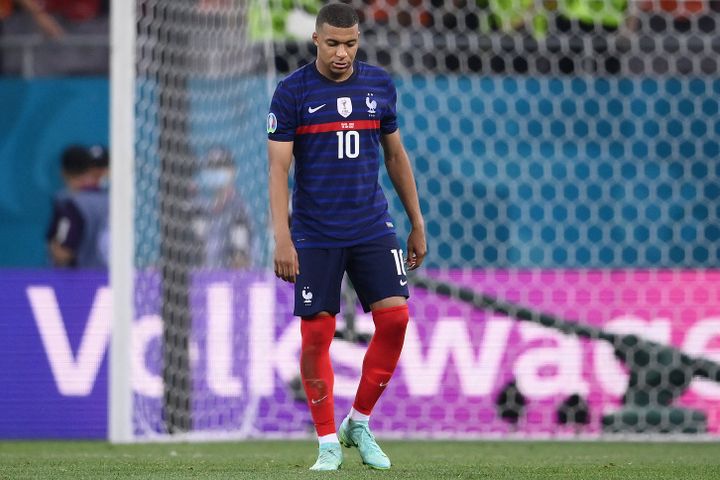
336 50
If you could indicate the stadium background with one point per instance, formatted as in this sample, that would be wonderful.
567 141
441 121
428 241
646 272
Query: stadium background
567 159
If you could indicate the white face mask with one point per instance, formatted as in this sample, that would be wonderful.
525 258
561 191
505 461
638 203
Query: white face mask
214 179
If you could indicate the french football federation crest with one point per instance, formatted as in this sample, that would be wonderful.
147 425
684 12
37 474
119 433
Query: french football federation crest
371 104
344 106
307 295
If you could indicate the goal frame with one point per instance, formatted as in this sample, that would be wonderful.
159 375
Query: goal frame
122 235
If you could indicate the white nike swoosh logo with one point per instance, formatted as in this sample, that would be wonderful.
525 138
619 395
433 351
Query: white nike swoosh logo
315 402
315 109
384 384
403 283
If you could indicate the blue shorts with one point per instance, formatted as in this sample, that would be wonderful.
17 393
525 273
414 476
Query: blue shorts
375 268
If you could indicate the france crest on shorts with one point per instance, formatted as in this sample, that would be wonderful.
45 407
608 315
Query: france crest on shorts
272 123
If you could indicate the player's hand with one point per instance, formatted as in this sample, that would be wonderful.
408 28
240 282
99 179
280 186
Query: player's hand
416 248
287 265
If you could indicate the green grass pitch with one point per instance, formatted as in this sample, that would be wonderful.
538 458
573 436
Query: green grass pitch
411 460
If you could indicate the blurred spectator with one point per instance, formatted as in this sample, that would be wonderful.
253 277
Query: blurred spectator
591 15
405 13
220 219
100 170
680 9
100 166
40 15
282 19
215 5
80 212
76 34
678 15
74 10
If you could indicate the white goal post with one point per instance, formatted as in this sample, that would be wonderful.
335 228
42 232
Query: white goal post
122 148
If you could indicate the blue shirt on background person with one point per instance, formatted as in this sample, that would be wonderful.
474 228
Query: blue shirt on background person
77 236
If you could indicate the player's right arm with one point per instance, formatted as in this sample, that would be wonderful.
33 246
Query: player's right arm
285 258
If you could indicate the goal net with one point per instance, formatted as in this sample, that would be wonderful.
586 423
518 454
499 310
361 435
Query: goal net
567 158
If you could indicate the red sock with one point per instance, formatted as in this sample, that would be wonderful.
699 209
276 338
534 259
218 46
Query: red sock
316 370
382 355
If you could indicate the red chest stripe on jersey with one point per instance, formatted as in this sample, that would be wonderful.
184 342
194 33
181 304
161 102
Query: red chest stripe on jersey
335 126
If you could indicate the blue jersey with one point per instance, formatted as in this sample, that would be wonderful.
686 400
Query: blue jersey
336 127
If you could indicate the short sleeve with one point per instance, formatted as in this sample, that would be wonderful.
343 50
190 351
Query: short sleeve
282 120
70 225
388 122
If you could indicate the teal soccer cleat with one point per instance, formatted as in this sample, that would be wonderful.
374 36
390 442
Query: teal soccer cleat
358 434
329 457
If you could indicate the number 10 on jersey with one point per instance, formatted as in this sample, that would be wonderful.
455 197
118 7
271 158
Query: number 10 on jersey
348 144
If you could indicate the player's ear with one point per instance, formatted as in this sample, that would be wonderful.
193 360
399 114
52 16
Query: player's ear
315 38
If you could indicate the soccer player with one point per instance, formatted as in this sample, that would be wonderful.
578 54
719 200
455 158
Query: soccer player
332 116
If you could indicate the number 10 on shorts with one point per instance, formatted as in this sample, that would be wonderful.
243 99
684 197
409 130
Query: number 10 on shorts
399 264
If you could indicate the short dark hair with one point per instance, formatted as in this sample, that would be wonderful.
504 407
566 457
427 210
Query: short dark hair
76 160
338 15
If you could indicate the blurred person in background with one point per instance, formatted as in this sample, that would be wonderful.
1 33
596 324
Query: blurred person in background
220 219
100 166
100 170
62 51
36 9
287 19
44 10
80 211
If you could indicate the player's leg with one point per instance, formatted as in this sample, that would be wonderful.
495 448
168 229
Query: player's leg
379 278
378 366
317 300
378 275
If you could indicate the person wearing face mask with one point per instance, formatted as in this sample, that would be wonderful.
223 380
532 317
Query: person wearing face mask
100 170
100 165
220 219
79 223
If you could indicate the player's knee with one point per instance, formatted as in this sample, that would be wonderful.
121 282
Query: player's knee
317 333
391 320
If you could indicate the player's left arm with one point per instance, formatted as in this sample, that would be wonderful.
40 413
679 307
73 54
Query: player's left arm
398 166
